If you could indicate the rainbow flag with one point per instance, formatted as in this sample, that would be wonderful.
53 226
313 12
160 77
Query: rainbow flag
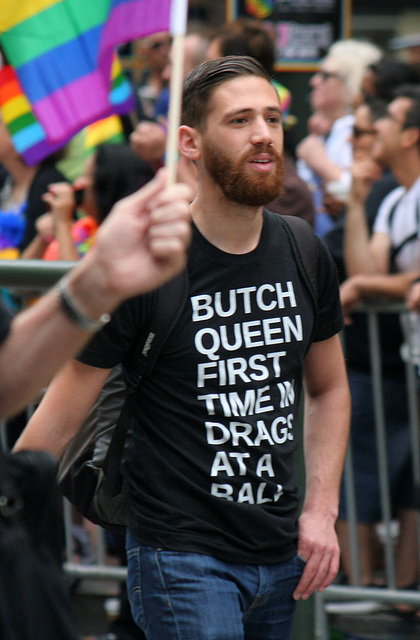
259 8
28 135
109 130
62 51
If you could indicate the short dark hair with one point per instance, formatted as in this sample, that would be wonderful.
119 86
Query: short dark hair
247 37
118 173
200 83
377 107
412 92
389 74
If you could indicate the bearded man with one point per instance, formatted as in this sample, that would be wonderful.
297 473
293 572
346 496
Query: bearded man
215 546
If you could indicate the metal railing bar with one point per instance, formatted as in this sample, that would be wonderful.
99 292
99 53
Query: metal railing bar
378 401
32 274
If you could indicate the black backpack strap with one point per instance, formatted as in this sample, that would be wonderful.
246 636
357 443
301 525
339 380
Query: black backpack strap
169 301
305 248
411 238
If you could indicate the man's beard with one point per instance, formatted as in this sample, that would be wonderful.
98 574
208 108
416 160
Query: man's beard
239 185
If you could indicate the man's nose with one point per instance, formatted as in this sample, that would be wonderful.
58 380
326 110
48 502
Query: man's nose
166 73
261 132
315 80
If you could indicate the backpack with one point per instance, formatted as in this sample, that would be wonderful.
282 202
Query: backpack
90 471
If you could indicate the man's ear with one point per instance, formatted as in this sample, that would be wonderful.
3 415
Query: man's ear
189 142
411 136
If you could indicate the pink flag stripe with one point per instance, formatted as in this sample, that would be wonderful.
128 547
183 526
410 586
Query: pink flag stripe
125 22
63 111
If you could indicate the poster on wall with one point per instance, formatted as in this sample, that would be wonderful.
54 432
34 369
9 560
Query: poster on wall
303 29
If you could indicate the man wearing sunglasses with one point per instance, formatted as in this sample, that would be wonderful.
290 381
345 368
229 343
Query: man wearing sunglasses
335 92
393 248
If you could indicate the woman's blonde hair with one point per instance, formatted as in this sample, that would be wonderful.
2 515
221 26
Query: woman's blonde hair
351 58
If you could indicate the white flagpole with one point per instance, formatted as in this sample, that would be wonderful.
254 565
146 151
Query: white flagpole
179 13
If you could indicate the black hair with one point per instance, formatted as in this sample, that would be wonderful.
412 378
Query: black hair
377 107
412 92
389 74
118 173
248 38
200 83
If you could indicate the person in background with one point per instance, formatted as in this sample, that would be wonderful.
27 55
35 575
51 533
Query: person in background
356 344
111 173
384 264
382 77
336 91
21 192
149 137
155 52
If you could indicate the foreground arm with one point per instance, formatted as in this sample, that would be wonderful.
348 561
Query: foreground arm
141 244
326 429
63 408
312 151
363 254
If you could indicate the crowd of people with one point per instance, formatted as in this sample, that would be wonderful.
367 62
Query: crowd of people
214 497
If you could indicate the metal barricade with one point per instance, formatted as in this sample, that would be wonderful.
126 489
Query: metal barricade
389 595
35 276
38 275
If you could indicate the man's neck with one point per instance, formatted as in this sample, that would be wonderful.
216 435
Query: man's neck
231 227
407 170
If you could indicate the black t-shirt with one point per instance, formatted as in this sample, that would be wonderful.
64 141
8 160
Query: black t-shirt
210 461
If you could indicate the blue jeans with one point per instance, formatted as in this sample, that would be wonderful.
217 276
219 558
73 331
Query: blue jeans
190 596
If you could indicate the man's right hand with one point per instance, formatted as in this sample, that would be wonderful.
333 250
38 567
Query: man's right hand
148 141
365 171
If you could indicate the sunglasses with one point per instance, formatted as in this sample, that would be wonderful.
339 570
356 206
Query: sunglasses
358 132
326 75
158 45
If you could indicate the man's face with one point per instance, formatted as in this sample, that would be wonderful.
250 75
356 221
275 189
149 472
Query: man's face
156 50
364 134
242 142
389 132
192 45
329 93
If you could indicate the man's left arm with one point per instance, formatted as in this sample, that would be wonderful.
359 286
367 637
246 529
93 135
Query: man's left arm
326 431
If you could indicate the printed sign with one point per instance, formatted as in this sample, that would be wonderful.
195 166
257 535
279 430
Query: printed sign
303 29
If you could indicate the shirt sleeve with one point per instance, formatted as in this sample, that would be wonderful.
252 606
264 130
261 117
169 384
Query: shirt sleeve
382 221
116 342
330 315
